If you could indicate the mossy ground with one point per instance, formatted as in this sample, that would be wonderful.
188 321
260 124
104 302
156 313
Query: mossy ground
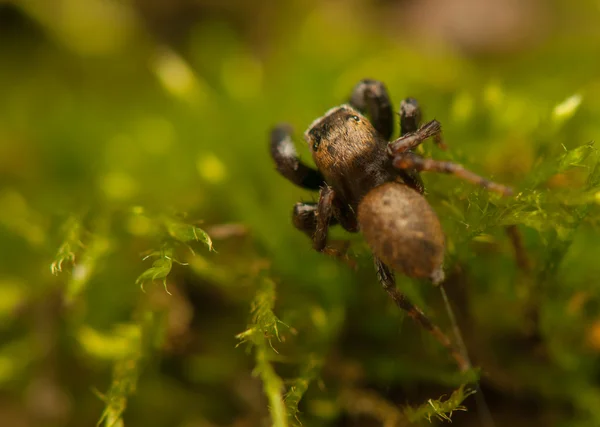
116 145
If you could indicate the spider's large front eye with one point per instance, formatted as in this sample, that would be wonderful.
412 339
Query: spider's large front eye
316 142
354 117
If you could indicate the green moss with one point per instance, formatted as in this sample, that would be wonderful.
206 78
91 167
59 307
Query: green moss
263 328
113 145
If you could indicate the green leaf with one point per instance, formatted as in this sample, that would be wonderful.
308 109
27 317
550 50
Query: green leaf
574 158
440 408
71 245
160 269
187 233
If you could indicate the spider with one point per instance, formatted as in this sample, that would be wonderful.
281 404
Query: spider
370 185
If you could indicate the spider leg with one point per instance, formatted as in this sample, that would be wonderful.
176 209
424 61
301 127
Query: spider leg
371 97
408 160
304 218
410 116
410 119
386 278
413 139
288 164
323 214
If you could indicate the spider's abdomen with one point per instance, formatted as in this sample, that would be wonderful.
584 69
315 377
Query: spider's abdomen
403 230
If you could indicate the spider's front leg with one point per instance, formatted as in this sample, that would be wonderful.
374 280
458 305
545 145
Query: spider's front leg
410 119
304 218
371 97
324 214
314 219
288 164
410 116
413 139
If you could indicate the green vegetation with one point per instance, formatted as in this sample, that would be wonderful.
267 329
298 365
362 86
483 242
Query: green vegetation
124 151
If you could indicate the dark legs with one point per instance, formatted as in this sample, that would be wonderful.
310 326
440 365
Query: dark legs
314 220
413 139
371 97
410 116
386 278
404 159
323 214
410 119
287 161
304 218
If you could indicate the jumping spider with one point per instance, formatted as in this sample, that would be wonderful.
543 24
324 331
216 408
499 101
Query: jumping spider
370 185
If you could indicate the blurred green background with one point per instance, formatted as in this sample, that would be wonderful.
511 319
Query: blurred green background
128 128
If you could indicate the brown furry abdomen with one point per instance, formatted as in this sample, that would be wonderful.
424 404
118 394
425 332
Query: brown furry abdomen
403 230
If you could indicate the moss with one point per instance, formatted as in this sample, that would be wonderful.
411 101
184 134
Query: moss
121 164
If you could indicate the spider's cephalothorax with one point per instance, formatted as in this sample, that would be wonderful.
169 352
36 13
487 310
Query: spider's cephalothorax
370 185
350 153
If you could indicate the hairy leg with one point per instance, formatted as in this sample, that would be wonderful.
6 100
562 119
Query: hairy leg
409 160
323 217
386 278
410 116
304 218
410 119
413 139
288 164
371 97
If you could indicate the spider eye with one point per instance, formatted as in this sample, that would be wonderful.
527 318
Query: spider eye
355 118
316 142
